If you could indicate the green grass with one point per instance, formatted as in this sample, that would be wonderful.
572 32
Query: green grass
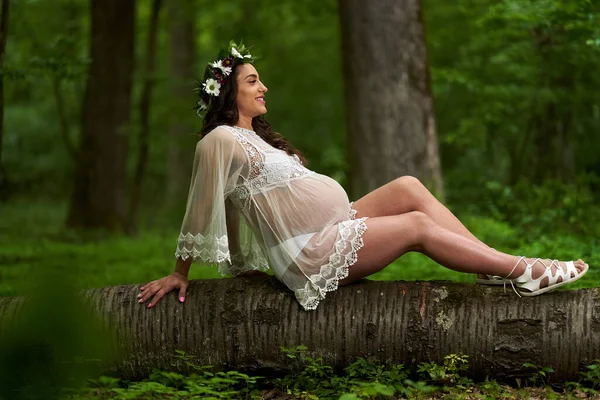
32 237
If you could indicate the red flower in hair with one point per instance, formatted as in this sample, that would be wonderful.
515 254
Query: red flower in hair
228 62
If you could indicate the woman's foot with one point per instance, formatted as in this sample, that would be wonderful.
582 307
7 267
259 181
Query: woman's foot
534 276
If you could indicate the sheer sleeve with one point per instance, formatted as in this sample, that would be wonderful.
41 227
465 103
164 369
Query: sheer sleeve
212 231
246 254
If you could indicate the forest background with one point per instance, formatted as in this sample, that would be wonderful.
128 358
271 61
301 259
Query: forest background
94 173
517 115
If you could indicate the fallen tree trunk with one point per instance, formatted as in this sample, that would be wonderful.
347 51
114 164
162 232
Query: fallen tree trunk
241 323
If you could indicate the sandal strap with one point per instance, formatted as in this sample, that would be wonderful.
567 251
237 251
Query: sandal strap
522 258
527 282
526 278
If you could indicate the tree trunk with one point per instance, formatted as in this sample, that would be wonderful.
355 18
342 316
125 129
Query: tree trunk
98 199
181 127
388 94
549 147
144 108
3 32
553 140
241 323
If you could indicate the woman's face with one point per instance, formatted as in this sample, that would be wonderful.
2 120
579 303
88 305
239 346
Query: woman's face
251 92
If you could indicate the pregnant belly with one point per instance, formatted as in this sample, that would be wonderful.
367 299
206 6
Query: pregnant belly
302 206
325 194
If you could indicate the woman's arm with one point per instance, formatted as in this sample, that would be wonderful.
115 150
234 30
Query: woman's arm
183 267
203 234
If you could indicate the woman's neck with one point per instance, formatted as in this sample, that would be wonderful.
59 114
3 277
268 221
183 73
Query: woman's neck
244 122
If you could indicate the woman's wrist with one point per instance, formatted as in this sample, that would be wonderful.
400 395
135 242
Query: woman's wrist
183 267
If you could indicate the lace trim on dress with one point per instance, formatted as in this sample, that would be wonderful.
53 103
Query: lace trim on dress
210 249
344 256
282 171
215 250
252 260
353 212
240 197
256 158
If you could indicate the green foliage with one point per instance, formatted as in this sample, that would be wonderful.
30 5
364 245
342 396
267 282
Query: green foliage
315 376
589 381
592 374
554 207
539 376
447 373
513 69
362 379
202 383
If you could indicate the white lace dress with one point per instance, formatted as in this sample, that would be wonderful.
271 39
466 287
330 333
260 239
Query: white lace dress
252 206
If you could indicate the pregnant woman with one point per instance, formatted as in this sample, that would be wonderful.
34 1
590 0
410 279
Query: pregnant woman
253 205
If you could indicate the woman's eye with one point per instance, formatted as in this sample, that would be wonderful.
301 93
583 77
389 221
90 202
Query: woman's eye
252 81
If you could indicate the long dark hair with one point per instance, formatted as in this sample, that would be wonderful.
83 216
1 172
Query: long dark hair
223 111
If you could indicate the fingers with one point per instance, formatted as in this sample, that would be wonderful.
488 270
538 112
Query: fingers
147 293
148 284
159 289
182 291
159 295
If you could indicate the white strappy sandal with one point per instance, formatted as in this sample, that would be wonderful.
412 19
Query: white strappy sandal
529 287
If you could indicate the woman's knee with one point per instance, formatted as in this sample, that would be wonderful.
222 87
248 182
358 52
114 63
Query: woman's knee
409 186
422 225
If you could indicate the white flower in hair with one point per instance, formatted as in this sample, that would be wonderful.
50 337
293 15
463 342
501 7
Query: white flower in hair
211 87
237 54
219 64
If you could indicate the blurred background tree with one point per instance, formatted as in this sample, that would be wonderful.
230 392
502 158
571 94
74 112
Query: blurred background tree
391 125
99 198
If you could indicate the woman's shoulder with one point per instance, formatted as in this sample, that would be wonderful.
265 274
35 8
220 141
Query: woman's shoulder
218 135
221 131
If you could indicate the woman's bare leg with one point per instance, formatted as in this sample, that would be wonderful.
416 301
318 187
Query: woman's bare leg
387 238
408 194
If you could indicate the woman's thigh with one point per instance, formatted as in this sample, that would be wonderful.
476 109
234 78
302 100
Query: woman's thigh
399 196
386 239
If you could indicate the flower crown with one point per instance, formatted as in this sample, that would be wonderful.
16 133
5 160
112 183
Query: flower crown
217 73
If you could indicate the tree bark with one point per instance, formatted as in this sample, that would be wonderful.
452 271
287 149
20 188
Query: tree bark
241 323
144 109
388 94
98 199
181 127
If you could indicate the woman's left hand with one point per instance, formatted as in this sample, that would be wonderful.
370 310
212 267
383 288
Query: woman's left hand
163 286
